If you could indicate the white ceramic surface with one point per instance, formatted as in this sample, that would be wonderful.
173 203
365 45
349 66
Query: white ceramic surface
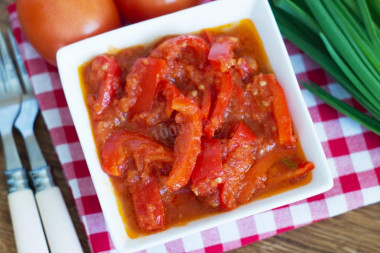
190 20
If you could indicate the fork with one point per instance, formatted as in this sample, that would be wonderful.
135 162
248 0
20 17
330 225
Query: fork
55 217
26 222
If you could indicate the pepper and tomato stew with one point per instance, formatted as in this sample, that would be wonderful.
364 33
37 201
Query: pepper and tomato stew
191 125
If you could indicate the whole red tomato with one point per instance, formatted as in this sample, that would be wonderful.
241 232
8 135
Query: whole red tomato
138 10
52 24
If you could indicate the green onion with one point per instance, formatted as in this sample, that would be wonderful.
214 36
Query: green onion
344 108
298 13
343 36
374 6
355 81
352 7
368 23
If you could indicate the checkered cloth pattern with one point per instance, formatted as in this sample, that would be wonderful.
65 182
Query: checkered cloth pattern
352 151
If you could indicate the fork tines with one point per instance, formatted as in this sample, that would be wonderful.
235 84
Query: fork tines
19 62
9 74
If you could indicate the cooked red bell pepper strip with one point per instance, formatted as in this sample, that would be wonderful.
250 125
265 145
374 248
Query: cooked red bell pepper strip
221 53
148 206
305 166
243 134
122 145
246 68
239 160
125 147
295 168
141 83
107 72
256 177
209 37
206 102
207 173
280 109
217 114
187 144
172 48
243 67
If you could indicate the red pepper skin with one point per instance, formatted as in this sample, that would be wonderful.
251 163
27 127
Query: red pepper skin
171 49
123 145
209 37
221 53
256 177
107 74
206 102
280 110
239 159
148 206
187 144
208 171
278 166
217 113
148 73
246 68
142 82
134 156
289 170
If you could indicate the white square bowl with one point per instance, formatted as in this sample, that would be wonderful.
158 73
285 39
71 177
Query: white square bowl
208 15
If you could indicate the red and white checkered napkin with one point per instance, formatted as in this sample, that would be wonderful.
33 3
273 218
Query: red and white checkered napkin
352 151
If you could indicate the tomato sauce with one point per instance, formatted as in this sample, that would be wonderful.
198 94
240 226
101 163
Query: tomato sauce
190 126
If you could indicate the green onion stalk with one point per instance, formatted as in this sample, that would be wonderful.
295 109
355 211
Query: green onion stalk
343 37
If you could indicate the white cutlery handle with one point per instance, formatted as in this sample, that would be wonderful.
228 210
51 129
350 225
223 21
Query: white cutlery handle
26 222
58 226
